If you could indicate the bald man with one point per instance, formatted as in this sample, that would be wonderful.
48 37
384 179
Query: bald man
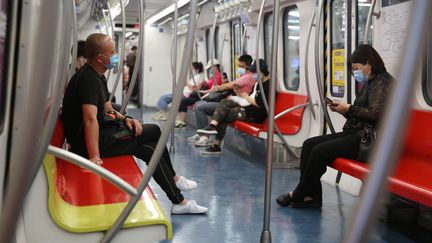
86 108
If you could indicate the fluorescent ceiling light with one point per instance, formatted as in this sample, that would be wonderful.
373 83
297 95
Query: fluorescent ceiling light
171 8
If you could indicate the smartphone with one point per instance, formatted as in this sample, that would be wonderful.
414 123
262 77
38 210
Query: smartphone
328 101
236 86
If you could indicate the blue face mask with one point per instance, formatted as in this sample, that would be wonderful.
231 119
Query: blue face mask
360 77
114 59
241 71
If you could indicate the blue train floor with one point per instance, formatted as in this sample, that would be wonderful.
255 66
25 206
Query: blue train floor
233 190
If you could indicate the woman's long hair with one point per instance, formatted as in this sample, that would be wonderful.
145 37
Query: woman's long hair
366 54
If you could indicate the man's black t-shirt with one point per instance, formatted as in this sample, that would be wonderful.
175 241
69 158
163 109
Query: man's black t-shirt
85 87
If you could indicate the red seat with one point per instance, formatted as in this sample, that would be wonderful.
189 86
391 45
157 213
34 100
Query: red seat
411 179
80 187
289 124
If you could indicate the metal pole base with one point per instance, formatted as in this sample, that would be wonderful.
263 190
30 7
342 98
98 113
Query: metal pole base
265 237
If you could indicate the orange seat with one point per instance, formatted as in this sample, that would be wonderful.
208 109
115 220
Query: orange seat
411 179
289 124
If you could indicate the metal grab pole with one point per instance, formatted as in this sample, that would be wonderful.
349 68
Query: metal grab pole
266 234
160 147
174 67
317 68
122 51
260 85
393 127
137 64
368 22
306 66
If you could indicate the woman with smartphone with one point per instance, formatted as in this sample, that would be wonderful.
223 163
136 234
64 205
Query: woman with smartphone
317 153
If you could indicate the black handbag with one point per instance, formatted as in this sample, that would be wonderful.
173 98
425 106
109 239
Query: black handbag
367 137
216 96
112 121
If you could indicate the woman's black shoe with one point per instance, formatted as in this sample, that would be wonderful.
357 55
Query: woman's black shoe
307 204
284 200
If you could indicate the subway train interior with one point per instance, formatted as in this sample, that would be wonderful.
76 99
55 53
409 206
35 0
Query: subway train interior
50 194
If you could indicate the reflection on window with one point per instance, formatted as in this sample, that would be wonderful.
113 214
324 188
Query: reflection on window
427 81
3 56
291 41
268 32
338 30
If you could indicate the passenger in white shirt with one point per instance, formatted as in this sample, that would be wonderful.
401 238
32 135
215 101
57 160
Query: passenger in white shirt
189 96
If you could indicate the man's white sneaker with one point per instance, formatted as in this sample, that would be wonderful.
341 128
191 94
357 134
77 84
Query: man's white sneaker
204 141
186 185
191 207
194 138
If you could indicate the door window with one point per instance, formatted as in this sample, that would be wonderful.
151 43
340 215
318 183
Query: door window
268 33
337 49
291 42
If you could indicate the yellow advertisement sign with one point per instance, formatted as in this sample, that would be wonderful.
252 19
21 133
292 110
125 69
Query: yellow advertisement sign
338 67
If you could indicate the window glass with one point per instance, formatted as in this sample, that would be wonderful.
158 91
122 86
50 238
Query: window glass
236 46
362 15
216 42
427 81
3 56
245 40
291 41
268 32
208 43
337 65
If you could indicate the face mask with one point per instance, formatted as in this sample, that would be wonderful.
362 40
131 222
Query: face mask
241 71
255 76
114 59
360 77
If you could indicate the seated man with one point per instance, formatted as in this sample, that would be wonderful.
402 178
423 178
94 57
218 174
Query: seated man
246 83
85 105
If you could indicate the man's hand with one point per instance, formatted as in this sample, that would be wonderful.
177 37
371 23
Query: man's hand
340 107
133 124
96 160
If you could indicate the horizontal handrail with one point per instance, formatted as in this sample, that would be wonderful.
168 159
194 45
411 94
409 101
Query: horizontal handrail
283 113
87 164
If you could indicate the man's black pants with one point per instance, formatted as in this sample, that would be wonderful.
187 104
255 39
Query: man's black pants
142 147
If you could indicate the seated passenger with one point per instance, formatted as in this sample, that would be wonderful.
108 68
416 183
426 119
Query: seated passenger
251 109
189 96
206 108
319 152
85 104
81 57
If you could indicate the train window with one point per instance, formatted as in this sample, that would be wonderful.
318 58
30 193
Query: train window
268 30
362 15
208 43
291 42
244 40
427 79
3 60
338 30
236 46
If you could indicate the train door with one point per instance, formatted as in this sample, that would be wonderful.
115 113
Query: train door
345 29
236 52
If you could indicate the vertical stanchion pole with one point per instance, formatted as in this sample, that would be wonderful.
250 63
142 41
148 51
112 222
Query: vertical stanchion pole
266 234
174 67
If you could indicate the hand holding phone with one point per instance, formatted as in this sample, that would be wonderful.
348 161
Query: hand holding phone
328 101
